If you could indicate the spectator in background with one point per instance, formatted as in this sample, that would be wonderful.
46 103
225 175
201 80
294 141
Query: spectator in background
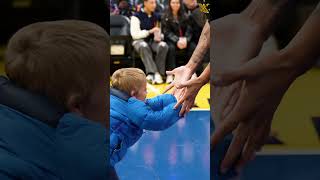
146 33
159 8
125 8
196 18
121 7
177 32
114 7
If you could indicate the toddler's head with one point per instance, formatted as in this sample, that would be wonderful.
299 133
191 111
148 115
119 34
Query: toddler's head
66 61
131 81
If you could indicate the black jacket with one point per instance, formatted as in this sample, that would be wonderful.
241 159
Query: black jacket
171 28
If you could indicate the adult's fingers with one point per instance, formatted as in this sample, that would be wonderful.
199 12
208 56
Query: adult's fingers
186 110
180 101
240 113
189 102
221 131
235 148
243 72
170 72
170 86
188 83
258 124
183 109
226 77
248 152
233 99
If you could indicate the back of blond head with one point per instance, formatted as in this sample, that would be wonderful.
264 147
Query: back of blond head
128 79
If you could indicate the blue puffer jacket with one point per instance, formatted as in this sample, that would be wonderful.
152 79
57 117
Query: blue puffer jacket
70 147
30 149
129 117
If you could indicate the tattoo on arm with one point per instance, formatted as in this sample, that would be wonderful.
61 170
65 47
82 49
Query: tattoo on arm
203 45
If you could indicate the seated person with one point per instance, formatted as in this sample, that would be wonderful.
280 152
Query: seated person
177 33
146 34
159 8
131 112
196 18
53 102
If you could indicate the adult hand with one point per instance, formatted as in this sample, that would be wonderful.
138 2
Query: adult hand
190 90
267 78
181 74
179 45
230 32
249 137
184 42
157 38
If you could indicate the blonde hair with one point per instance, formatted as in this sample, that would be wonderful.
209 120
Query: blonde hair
128 79
58 58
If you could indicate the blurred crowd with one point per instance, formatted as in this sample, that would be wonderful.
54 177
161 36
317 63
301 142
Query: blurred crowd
164 33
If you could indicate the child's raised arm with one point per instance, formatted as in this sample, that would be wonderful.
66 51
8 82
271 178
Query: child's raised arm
159 102
147 118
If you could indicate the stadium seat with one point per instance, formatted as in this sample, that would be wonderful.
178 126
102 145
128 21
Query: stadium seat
121 48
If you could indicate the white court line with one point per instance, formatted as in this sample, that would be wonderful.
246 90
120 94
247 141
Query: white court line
200 109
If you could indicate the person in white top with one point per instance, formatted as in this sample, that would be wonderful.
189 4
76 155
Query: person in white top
146 33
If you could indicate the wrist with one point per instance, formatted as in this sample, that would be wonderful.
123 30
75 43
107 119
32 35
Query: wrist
203 80
192 66
290 63
289 60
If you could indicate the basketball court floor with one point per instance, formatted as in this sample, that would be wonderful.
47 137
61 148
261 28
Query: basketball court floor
292 152
181 152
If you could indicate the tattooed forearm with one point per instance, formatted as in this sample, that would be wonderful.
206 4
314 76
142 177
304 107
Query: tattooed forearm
203 45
